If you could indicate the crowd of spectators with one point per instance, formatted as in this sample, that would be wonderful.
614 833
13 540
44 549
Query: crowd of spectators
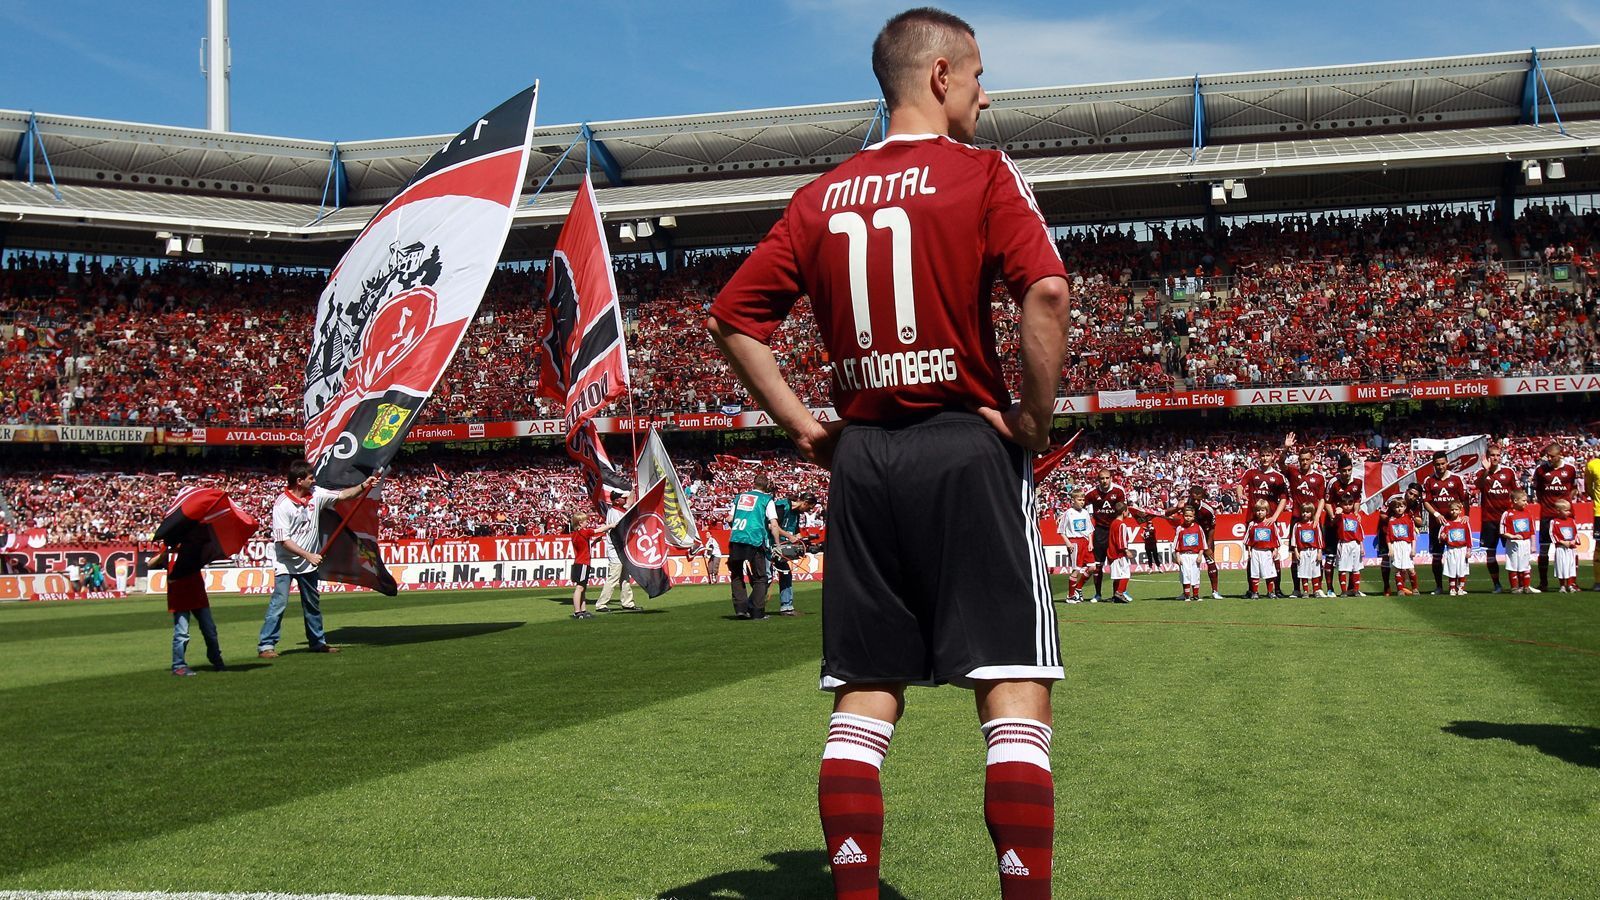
1395 294
528 490
448 494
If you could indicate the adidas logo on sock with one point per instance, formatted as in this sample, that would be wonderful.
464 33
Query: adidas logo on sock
1011 864
850 852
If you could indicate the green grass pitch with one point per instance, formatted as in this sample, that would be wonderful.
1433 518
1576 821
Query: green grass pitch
483 744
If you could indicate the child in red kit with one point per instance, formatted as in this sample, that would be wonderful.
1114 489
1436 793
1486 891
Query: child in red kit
1307 534
1352 547
1564 547
1400 533
1261 546
1517 527
1457 538
1190 545
1125 531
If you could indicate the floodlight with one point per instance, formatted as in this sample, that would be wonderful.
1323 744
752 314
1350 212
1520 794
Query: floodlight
1531 175
196 245
1555 169
1239 193
174 246
1219 196
644 229
668 221
626 233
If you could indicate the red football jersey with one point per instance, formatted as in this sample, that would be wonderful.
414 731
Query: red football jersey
1350 528
1189 539
1457 533
1494 490
1124 533
1345 492
1564 531
1401 529
1441 492
1307 535
1260 535
1518 523
1306 487
897 248
581 541
1269 485
1552 483
1103 502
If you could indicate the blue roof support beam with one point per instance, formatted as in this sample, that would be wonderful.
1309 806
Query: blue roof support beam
1201 132
880 122
598 152
32 148
1532 84
337 183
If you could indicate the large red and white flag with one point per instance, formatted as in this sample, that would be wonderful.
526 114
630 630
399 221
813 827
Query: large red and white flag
399 302
1385 480
583 359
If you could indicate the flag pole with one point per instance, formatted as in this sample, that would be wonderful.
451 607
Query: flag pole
345 520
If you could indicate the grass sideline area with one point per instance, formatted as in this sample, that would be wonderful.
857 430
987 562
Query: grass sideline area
483 744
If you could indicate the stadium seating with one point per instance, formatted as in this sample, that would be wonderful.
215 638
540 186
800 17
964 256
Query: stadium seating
1323 300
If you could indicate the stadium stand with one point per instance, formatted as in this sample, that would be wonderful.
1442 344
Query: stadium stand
532 491
1325 299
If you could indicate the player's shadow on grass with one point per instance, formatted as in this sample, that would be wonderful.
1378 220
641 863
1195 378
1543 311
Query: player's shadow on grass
794 873
391 635
1576 744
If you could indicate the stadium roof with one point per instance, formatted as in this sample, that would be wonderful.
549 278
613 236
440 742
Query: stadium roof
1411 131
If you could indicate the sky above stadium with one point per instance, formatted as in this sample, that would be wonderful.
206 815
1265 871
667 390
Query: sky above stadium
352 71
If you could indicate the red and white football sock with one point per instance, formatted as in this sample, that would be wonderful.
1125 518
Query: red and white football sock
1355 582
1120 585
1019 805
850 800
1255 583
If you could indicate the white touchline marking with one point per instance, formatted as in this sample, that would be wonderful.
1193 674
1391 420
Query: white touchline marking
208 895
203 895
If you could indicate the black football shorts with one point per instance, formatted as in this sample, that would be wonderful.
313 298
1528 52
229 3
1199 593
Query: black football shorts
581 573
935 566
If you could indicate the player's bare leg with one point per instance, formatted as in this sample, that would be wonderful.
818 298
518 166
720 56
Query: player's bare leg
577 600
1019 791
849 788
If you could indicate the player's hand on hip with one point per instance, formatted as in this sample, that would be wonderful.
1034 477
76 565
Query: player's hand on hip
1024 431
817 444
